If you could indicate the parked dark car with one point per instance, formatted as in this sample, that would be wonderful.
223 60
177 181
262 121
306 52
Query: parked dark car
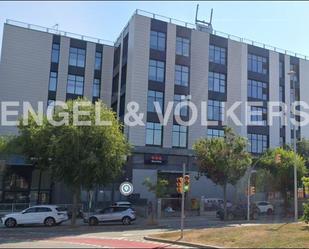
239 212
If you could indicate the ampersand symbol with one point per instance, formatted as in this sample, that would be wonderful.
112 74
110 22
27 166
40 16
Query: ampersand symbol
131 118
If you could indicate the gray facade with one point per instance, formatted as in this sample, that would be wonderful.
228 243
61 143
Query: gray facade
204 67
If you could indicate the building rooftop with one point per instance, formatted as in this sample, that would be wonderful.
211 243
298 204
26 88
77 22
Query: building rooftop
157 17
222 34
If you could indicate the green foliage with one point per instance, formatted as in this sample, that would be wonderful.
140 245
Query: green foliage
305 181
263 179
303 149
9 145
159 189
305 216
283 172
223 160
80 156
87 156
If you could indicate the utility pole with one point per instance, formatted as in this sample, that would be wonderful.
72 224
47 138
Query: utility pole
182 202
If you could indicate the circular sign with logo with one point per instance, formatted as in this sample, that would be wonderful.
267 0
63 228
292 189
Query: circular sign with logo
126 188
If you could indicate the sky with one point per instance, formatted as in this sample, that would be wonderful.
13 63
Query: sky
281 24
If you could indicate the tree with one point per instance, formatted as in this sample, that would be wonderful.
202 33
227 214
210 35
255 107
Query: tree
305 216
159 189
223 160
303 150
283 171
81 156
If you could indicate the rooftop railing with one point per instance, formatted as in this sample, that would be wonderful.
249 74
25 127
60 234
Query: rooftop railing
58 32
219 33
158 17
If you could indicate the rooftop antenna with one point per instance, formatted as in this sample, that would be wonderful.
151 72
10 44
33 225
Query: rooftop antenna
201 24
56 26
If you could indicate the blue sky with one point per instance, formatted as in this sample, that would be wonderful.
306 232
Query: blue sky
281 24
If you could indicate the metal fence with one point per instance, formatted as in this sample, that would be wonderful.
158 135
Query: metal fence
59 32
222 34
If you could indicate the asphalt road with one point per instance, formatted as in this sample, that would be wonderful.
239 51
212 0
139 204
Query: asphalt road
109 236
105 236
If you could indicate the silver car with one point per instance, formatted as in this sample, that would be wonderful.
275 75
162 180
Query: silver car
111 214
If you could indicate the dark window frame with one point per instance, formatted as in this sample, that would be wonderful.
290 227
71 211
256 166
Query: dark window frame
77 55
76 77
157 38
179 132
156 132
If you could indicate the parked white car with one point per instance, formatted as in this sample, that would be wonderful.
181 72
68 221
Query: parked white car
123 214
49 215
265 207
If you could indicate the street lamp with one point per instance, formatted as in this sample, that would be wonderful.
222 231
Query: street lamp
291 74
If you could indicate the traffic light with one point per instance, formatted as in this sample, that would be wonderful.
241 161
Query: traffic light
252 190
186 184
179 183
278 158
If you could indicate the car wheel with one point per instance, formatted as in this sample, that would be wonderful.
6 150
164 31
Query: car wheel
49 222
93 221
126 220
10 223
269 211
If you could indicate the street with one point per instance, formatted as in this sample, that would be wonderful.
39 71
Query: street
107 235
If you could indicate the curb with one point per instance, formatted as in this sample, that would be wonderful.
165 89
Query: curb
181 243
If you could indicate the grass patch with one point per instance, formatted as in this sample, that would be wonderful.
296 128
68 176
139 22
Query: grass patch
256 236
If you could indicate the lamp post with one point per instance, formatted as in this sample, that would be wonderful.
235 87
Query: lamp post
291 74
248 190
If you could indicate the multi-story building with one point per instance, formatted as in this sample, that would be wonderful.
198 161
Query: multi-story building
163 61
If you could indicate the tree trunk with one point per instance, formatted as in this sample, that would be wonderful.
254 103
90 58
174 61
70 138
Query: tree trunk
74 206
224 201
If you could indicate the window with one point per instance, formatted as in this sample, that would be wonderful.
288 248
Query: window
211 133
257 90
257 143
179 136
181 75
216 82
183 107
98 61
77 57
281 93
51 103
75 84
53 81
43 209
217 54
55 52
154 96
182 46
293 77
96 88
30 210
257 64
157 40
258 115
153 134
215 110
156 70
281 69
